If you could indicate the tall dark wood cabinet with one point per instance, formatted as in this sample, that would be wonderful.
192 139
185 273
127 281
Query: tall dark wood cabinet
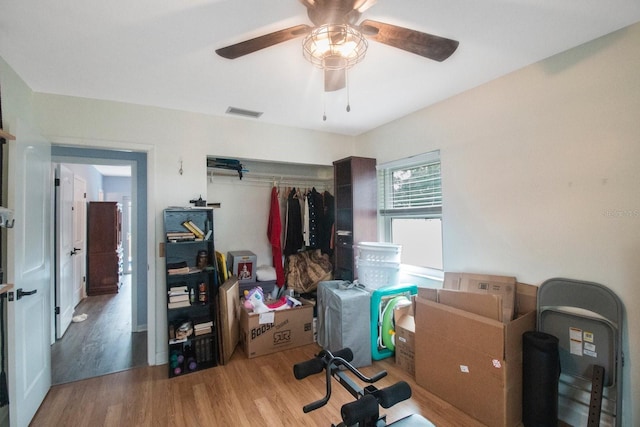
356 211
192 290
104 248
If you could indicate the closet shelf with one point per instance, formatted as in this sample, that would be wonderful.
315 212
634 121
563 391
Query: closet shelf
278 179
6 135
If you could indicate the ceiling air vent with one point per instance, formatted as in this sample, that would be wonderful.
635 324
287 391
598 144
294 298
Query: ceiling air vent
243 112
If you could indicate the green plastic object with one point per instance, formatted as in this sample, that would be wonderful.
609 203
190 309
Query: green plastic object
382 345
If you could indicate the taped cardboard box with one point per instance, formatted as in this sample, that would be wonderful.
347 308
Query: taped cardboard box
505 286
405 328
472 361
266 333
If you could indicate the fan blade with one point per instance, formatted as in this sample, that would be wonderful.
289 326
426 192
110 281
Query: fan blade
334 80
249 46
423 44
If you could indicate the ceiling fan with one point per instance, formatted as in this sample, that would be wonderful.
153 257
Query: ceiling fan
336 42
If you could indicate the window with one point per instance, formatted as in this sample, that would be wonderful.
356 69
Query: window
410 208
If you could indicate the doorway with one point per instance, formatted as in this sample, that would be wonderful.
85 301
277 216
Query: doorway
109 332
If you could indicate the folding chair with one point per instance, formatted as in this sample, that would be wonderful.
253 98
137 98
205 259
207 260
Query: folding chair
586 318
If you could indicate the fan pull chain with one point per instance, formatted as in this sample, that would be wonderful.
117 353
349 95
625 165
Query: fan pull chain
324 107
346 76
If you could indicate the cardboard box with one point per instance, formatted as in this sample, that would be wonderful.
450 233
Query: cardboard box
472 361
229 318
242 264
405 328
266 333
505 286
487 305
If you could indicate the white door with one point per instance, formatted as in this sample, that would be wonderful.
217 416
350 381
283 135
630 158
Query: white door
64 250
79 239
29 252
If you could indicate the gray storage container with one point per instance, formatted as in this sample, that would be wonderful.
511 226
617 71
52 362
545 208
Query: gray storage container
344 319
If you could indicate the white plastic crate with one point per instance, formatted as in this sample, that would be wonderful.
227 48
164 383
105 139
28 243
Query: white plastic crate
377 274
379 252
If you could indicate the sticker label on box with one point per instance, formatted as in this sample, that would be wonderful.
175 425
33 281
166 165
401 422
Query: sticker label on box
268 317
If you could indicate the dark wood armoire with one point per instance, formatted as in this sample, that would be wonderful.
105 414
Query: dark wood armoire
104 247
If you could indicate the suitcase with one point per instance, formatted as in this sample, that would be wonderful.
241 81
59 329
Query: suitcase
344 319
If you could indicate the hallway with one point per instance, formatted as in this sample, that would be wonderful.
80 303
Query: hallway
103 343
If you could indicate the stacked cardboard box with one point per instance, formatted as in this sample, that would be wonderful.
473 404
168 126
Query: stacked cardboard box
468 352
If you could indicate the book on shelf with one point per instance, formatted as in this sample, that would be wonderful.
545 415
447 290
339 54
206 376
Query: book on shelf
178 304
189 225
179 289
208 324
201 322
181 270
180 236
202 331
179 297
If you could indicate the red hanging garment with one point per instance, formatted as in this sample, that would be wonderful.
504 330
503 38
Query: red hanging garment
274 230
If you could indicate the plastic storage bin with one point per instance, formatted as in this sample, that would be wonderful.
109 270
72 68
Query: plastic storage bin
377 274
378 252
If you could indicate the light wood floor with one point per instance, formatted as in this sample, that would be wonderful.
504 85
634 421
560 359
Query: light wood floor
245 392
103 343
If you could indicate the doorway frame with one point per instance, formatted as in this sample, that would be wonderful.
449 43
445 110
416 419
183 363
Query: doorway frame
140 158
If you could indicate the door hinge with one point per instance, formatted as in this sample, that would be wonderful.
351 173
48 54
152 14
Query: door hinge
57 310
56 182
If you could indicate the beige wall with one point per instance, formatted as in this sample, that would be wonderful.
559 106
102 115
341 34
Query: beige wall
540 175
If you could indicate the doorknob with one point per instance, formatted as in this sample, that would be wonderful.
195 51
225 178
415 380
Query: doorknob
75 251
20 293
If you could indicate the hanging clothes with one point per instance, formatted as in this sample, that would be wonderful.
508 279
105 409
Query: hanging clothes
293 241
274 230
316 222
328 219
305 218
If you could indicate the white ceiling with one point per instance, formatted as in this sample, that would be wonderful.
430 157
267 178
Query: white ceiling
161 53
112 170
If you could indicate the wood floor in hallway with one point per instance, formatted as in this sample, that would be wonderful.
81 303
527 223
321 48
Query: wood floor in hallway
103 343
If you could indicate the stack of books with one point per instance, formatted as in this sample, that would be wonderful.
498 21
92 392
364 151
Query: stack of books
177 268
197 231
181 268
178 297
202 326
180 236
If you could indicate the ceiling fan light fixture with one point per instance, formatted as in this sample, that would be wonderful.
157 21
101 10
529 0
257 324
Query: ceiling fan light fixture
334 46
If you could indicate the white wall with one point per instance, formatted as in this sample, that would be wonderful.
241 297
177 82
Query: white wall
540 175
